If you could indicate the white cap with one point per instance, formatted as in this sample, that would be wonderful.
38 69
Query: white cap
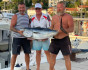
38 5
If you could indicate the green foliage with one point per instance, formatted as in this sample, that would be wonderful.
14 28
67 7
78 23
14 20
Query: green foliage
0 0
78 2
86 3
70 5
15 8
28 4
1 5
75 14
86 9
43 2
14 4
86 15
52 14
17 1
34 1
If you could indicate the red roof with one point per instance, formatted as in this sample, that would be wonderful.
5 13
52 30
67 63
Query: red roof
71 9
83 6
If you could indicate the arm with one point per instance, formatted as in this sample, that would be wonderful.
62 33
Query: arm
31 26
30 22
52 24
13 23
48 21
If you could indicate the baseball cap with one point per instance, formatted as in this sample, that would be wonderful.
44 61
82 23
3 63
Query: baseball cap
38 5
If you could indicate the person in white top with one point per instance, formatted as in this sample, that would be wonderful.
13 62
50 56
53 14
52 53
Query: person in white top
40 20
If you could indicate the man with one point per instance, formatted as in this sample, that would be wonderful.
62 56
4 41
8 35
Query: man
40 20
19 21
63 23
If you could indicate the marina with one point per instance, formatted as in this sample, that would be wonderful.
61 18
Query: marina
78 38
5 56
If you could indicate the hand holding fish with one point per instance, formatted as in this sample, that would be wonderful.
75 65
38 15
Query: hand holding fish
44 39
30 38
21 33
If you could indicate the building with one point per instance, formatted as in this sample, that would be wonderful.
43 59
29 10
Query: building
84 1
53 3
6 0
71 10
50 10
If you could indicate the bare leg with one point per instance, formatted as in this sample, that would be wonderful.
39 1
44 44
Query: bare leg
13 60
67 62
38 59
27 60
48 56
52 61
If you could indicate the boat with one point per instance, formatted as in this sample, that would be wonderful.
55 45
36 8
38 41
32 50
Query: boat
5 20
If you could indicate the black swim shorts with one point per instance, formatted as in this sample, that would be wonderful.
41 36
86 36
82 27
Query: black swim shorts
21 42
60 44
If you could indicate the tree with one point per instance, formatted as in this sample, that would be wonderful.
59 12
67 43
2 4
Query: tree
75 14
43 2
15 4
73 3
0 0
17 1
86 3
34 1
28 3
78 3
1 5
70 5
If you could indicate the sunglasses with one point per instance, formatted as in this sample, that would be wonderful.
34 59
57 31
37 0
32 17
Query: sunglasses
37 8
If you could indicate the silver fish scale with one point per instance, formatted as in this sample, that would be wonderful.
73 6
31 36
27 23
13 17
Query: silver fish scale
39 33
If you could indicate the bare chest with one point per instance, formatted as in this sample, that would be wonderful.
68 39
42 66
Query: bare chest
57 23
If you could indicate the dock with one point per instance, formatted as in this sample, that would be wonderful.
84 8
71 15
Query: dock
81 63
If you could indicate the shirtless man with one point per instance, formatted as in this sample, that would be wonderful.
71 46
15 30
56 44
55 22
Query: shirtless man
63 23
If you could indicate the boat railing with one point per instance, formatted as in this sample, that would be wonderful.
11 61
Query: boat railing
80 27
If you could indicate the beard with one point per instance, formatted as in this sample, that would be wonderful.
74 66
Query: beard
60 13
21 12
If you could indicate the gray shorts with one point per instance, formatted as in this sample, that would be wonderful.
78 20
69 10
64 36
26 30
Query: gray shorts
21 42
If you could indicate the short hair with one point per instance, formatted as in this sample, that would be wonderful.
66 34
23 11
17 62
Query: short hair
21 3
62 2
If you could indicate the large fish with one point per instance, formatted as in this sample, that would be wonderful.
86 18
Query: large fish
39 33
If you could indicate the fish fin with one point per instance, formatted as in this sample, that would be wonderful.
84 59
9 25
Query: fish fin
36 32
